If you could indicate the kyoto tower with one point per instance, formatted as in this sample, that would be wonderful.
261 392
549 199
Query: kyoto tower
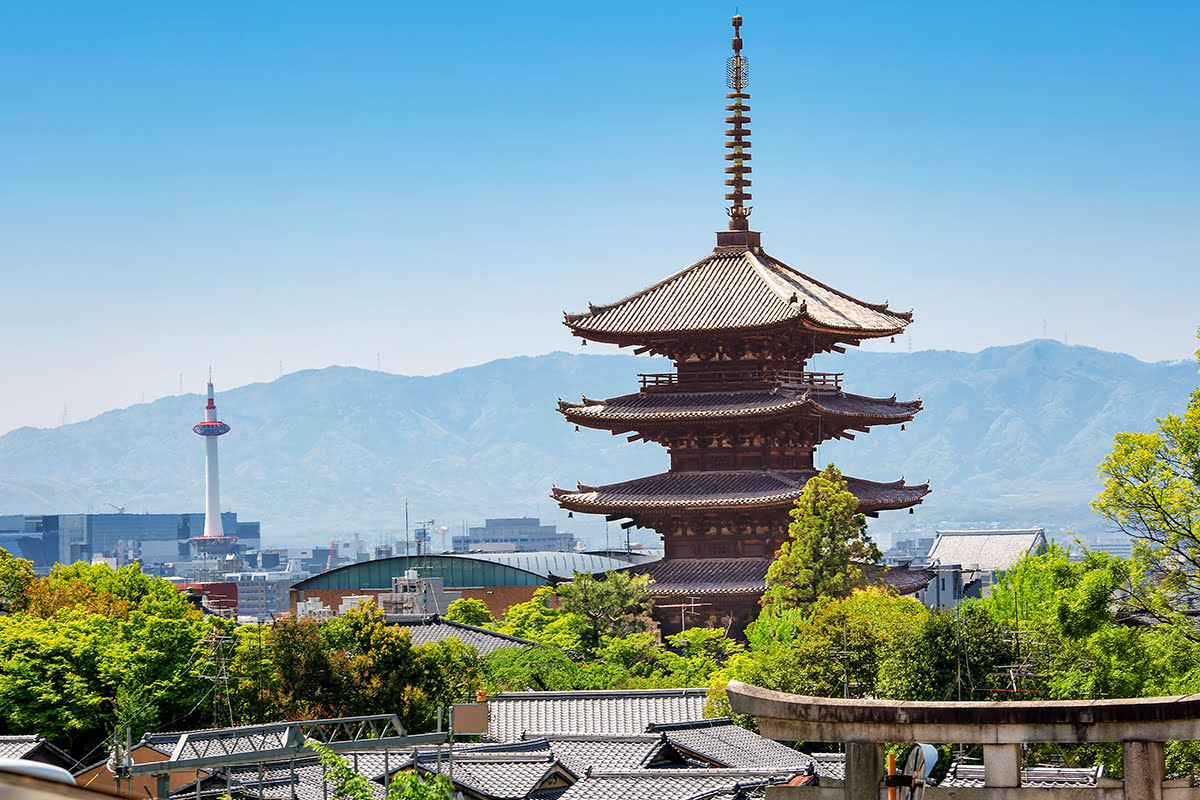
214 541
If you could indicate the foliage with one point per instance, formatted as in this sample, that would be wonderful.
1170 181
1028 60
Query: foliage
75 675
470 611
828 549
358 664
99 589
1152 493
615 606
538 621
15 576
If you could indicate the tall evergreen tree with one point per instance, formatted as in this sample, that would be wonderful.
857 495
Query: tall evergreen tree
829 550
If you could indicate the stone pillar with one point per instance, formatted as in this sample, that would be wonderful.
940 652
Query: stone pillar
864 770
1144 770
1002 765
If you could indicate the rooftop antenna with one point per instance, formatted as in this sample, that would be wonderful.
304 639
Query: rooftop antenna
737 71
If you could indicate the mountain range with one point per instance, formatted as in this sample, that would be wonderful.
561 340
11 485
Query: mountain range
1009 437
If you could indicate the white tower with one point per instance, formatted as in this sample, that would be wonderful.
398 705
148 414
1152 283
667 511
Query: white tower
214 539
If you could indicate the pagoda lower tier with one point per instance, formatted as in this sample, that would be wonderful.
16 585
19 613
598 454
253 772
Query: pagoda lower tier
726 592
722 514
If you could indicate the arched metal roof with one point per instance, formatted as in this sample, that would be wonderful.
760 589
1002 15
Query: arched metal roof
461 571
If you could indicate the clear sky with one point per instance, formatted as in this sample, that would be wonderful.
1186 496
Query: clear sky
428 186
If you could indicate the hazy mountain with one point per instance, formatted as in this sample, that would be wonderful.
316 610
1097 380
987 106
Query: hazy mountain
1009 435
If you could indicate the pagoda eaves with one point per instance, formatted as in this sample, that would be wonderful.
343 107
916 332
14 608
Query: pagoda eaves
740 291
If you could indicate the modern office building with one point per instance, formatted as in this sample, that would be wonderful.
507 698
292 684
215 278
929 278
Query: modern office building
47 539
512 534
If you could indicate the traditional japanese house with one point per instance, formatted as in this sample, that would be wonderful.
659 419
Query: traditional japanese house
740 415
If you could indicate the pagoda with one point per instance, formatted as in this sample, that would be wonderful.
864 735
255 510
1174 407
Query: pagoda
740 415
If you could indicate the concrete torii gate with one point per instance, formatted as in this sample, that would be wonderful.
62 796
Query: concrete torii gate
1141 725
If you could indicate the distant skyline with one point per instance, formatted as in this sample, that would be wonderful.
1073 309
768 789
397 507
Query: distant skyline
424 188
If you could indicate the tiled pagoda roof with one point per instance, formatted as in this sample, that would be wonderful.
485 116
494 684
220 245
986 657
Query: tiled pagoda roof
666 407
736 289
704 577
703 491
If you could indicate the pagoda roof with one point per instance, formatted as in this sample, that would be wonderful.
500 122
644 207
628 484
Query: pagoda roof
734 576
666 407
725 489
734 288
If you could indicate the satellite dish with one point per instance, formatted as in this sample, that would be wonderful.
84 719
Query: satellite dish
922 758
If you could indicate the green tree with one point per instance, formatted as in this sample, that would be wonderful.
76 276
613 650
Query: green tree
16 574
470 611
616 606
538 621
1152 493
828 549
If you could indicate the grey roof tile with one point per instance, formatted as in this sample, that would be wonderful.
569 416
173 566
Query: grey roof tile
493 777
971 776
18 746
830 765
730 745
513 714
665 784
990 550
436 629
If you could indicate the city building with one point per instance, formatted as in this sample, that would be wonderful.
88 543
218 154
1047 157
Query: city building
149 539
262 595
741 415
514 534
498 579
973 560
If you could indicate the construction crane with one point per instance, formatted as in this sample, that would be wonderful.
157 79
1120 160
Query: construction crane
329 559
120 509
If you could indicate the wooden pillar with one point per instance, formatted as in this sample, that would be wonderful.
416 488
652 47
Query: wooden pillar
1144 770
864 770
1002 765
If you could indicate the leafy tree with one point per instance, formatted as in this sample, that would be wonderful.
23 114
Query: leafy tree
16 574
828 549
74 676
311 683
541 668
1152 493
100 589
470 611
538 621
448 672
615 606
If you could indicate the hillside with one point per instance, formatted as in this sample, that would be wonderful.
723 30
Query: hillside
1010 435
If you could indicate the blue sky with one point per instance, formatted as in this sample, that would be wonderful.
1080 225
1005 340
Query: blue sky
430 186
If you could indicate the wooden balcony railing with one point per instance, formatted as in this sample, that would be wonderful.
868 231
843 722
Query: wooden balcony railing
732 379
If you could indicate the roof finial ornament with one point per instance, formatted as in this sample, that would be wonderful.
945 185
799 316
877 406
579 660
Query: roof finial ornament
738 74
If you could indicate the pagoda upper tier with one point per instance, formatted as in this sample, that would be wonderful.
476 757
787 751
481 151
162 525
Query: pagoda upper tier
738 303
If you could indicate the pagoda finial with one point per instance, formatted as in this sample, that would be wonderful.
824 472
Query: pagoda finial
738 74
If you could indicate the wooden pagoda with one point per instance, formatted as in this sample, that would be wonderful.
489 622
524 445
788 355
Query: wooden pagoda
740 415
